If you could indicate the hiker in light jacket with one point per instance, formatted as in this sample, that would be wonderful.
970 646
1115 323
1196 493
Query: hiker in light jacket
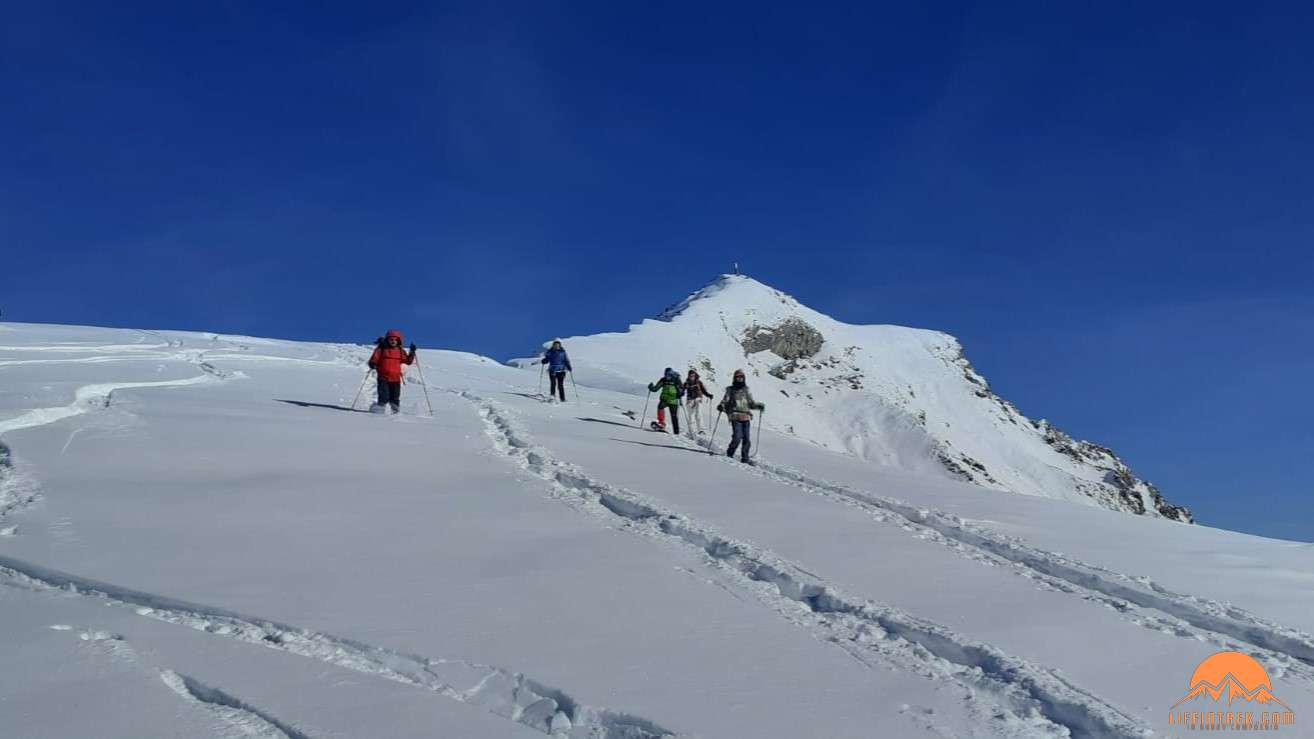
694 392
738 406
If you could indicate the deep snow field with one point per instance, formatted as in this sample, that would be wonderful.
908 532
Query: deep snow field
199 538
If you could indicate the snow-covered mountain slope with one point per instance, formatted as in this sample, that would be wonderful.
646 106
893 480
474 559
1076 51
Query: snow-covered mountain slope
895 396
200 537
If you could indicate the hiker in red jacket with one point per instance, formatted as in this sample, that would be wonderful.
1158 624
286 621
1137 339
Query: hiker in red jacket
387 361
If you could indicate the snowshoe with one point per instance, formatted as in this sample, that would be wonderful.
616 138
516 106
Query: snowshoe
654 426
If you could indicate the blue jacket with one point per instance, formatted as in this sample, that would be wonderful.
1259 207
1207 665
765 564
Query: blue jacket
557 361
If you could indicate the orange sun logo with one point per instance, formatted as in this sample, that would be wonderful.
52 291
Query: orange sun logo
1220 681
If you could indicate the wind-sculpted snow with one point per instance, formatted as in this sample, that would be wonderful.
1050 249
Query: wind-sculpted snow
99 395
88 398
1018 697
510 695
17 490
250 721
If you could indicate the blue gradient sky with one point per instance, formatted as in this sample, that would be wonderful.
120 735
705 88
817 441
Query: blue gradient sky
1111 205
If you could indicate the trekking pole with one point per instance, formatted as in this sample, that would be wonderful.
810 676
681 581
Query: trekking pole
574 387
757 446
645 409
541 368
362 388
711 441
424 385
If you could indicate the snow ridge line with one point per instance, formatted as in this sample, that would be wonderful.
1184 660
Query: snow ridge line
510 695
231 710
1228 624
1037 701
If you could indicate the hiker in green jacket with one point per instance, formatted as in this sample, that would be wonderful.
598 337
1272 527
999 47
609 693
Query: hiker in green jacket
671 392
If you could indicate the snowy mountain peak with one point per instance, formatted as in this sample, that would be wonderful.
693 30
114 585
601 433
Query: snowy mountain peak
730 291
891 395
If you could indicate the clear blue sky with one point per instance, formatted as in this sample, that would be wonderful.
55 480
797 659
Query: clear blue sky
1111 204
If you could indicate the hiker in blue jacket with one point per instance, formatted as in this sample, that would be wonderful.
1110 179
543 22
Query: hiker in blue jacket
558 363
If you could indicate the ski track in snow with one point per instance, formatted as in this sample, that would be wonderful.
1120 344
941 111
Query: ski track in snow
506 694
232 711
1289 651
1024 699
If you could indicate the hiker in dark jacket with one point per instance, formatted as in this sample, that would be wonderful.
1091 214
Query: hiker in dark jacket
738 405
387 361
694 392
671 392
558 363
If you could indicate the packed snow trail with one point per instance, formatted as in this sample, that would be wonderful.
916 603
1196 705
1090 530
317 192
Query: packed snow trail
1226 626
576 441
1137 600
1231 627
506 694
1034 701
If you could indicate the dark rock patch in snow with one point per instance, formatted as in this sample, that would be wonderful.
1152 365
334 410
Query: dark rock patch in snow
15 493
792 339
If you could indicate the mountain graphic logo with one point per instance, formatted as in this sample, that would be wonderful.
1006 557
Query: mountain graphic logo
1231 690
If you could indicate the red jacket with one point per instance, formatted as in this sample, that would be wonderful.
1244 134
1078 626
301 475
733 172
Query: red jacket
388 360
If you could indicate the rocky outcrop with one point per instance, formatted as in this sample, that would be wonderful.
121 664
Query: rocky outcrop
1119 483
791 339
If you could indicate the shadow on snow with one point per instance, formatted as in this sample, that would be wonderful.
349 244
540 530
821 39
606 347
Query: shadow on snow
330 406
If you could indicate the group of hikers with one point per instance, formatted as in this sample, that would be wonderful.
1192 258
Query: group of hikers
737 402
